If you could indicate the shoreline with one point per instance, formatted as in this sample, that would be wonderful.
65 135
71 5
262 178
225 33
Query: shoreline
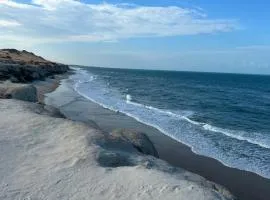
244 185
46 155
56 98
48 86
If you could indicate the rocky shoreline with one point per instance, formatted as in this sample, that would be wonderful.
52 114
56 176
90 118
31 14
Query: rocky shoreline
24 67
19 70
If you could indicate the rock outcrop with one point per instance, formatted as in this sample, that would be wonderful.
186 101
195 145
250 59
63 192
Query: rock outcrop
139 141
24 67
24 92
120 146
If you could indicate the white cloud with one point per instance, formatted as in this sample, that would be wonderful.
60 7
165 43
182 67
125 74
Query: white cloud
46 21
53 4
8 23
13 4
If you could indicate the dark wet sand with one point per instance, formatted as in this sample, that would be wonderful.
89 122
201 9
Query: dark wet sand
49 85
244 185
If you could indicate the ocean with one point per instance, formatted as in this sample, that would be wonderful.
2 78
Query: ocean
222 116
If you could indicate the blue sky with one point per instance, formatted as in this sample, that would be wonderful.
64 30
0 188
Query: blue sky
194 35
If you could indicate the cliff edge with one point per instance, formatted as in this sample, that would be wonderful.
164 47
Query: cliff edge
23 66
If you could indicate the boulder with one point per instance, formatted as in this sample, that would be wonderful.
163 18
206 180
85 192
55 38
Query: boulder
52 111
139 141
14 79
121 146
113 159
24 92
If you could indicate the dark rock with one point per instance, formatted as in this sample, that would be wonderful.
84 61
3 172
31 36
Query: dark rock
14 79
6 96
11 50
54 112
51 77
36 75
116 144
29 73
43 109
139 140
22 92
25 67
123 148
113 159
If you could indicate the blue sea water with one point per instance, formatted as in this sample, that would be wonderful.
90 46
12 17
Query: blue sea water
223 116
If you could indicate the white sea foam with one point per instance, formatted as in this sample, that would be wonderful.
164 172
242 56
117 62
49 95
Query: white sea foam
239 135
128 98
229 133
165 112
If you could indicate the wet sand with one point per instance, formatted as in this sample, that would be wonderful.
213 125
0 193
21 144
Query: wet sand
49 85
244 185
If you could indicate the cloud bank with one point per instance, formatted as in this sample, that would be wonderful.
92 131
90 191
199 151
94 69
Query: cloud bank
45 21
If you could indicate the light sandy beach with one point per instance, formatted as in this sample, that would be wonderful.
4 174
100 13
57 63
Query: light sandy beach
44 157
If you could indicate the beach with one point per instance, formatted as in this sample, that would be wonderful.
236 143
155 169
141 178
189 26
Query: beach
244 185
58 143
47 156
48 152
143 100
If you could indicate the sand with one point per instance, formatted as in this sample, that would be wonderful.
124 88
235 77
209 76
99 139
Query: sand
44 157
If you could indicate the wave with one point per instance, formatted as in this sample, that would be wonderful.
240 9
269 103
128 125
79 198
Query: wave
128 98
166 112
135 117
178 125
229 133
237 135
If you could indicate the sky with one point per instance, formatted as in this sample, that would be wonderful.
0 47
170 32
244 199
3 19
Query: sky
186 35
